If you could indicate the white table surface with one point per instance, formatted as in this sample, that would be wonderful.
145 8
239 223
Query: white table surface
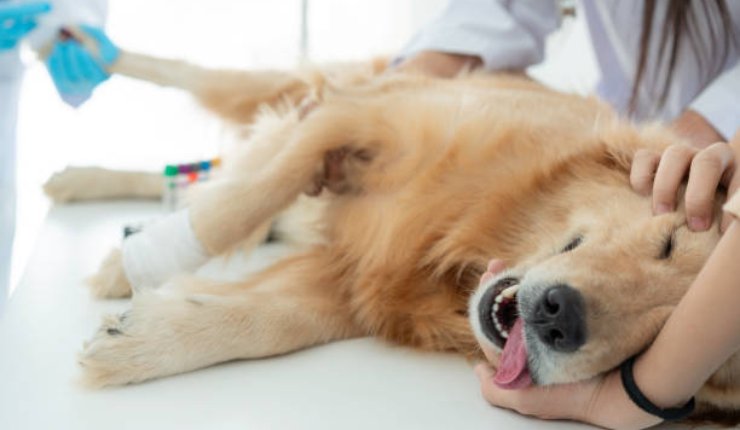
357 384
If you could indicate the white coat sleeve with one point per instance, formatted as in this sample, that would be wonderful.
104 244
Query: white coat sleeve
719 103
68 12
10 65
505 34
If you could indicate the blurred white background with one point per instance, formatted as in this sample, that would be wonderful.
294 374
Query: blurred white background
135 125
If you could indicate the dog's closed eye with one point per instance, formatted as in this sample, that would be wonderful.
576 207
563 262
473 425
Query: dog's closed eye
573 244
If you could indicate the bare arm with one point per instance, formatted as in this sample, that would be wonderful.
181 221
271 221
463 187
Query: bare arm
712 301
439 64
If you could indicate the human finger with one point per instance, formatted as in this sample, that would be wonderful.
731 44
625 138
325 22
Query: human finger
90 70
484 371
70 64
106 49
485 277
674 164
496 265
732 188
56 68
734 184
642 173
493 357
551 402
708 168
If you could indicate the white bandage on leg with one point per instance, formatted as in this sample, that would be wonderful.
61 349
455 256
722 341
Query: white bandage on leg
164 248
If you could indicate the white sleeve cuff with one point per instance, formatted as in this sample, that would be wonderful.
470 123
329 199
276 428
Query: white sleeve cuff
502 35
64 13
719 103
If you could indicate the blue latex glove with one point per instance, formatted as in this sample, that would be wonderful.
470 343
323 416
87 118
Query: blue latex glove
76 72
17 20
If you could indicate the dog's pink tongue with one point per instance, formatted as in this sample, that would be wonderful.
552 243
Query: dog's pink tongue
512 373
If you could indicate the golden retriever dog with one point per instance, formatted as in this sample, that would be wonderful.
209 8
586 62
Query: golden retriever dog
419 183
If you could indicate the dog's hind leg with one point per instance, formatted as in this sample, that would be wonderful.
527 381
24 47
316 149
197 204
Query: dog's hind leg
192 323
232 94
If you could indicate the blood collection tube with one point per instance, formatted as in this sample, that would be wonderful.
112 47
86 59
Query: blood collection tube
170 197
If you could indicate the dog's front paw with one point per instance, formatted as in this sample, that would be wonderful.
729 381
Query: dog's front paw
131 347
74 183
158 336
115 355
110 282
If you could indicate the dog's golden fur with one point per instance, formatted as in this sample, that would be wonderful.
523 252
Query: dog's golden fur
424 181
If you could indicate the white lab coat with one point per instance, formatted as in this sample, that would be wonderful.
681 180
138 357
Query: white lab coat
510 34
11 74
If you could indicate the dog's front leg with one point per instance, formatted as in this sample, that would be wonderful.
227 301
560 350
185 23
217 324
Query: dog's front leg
335 148
192 323
330 150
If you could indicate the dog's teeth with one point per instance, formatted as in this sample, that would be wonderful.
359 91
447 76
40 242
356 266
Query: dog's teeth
499 299
504 334
509 293
495 307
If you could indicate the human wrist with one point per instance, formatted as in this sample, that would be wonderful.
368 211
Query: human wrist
439 64
658 385
612 408
672 413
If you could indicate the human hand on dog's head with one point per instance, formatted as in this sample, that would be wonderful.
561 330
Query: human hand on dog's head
707 169
600 401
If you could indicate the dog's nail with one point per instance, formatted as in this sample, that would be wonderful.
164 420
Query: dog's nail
485 278
495 265
663 208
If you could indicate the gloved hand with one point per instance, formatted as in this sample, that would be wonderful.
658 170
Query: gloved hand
17 20
75 70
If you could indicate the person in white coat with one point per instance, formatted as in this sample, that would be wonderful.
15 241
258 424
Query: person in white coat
698 92
75 73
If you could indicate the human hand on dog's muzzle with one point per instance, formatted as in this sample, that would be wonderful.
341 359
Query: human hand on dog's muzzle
600 401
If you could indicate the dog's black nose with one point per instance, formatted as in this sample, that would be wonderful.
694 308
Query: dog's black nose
559 318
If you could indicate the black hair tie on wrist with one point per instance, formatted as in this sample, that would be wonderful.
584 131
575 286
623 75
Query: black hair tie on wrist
668 414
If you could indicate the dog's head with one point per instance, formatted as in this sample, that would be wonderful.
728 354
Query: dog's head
593 294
